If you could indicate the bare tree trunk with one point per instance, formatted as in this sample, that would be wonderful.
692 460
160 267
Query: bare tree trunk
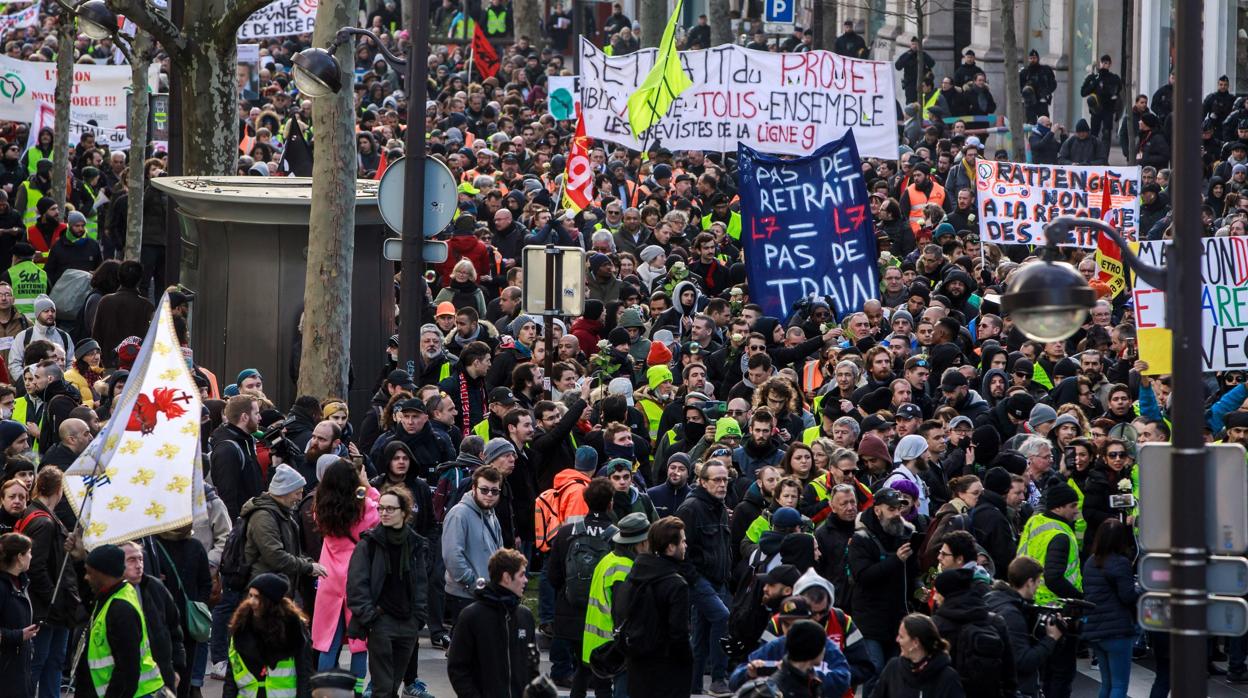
204 52
653 17
528 21
1013 93
65 35
717 17
325 360
135 178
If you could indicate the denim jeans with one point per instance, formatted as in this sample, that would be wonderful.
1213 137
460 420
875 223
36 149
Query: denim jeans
435 593
546 596
200 666
879 653
49 660
219 644
1113 658
1237 655
562 663
709 623
329 659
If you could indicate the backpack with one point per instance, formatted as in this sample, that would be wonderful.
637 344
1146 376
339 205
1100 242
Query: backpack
30 518
234 570
546 515
70 293
979 658
584 552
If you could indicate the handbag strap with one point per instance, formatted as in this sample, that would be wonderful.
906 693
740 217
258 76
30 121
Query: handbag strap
185 594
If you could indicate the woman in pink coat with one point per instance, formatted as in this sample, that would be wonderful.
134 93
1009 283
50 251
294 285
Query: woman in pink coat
341 516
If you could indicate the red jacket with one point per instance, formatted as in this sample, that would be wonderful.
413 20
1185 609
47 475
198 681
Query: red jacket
588 333
464 247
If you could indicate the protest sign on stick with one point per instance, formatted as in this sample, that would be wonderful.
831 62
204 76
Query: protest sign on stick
806 229
1016 200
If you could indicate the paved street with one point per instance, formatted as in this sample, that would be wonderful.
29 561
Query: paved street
1087 683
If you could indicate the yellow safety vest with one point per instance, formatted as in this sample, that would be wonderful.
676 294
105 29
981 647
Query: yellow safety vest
278 682
809 434
33 156
482 428
734 224
495 21
1081 525
1034 543
654 414
31 214
100 655
599 628
93 223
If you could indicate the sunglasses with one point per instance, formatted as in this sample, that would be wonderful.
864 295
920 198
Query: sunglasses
491 491
1116 455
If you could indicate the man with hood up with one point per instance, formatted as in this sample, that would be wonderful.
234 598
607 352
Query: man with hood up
960 288
839 627
602 283
687 301
992 386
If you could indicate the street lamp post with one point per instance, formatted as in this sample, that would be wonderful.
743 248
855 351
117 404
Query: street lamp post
1047 301
317 73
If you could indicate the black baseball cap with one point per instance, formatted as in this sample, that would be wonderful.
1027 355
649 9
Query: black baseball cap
781 574
953 380
875 421
502 396
412 404
401 378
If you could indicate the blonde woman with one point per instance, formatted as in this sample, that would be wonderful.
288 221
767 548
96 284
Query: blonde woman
463 290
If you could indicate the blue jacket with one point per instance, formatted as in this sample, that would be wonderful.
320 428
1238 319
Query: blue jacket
665 499
1112 589
1229 402
834 672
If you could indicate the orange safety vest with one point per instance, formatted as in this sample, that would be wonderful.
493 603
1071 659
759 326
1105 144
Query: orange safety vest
812 377
918 200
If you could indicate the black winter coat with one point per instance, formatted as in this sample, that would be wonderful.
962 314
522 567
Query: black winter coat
124 631
1112 589
257 655
235 471
47 535
570 619
367 574
15 653
990 524
1030 654
554 450
934 679
164 628
832 537
706 530
964 609
495 632
661 668
881 580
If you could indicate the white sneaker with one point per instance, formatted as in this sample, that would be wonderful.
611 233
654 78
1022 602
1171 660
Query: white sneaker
217 671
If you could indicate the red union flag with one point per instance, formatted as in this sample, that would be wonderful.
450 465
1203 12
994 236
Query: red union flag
1109 267
484 57
578 190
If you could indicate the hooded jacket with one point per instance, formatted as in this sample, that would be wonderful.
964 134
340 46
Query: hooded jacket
371 568
1030 654
273 542
496 631
467 247
990 524
966 608
470 535
985 384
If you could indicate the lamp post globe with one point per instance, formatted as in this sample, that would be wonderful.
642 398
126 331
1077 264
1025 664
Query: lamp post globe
317 73
96 20
1047 301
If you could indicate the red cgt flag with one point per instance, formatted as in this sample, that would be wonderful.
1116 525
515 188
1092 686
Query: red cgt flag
578 191
484 57
383 164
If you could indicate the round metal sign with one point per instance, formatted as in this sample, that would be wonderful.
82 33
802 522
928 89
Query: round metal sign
440 196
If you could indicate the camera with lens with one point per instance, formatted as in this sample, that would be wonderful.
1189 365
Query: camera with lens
1066 614
275 439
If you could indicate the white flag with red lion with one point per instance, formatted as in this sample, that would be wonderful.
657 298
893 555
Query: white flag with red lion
141 475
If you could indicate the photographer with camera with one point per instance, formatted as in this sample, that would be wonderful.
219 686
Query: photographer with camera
1049 538
1013 601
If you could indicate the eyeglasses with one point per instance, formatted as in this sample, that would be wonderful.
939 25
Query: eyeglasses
383 509
490 491
1116 455
737 413
716 479
944 553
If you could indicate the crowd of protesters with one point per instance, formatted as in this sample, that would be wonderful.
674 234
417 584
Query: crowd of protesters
908 498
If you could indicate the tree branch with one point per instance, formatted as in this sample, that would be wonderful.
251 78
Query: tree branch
174 41
237 14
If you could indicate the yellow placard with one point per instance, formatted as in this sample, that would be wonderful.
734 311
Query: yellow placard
1155 349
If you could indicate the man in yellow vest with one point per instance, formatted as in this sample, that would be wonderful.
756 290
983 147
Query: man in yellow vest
498 21
119 658
628 542
651 399
1049 537
42 150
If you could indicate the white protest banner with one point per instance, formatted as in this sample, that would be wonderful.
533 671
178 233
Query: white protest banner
1223 305
28 17
781 103
279 18
98 95
1017 200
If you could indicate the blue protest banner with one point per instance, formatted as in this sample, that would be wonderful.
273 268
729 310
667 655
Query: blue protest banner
806 228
